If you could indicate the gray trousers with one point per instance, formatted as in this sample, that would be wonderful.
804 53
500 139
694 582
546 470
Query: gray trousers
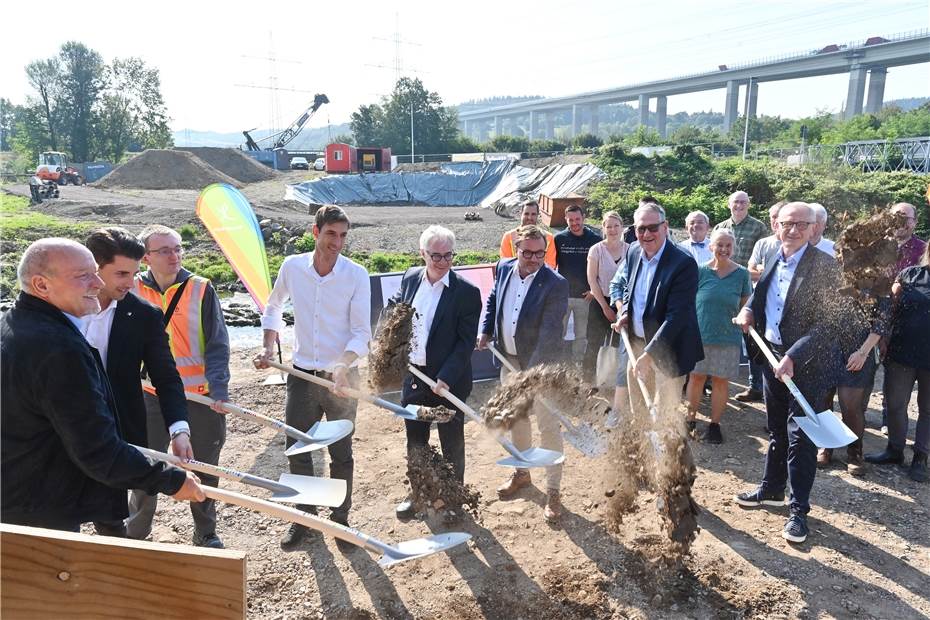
898 386
578 308
306 405
550 434
208 434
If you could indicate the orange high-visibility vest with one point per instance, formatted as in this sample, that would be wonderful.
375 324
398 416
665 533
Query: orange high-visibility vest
509 249
185 330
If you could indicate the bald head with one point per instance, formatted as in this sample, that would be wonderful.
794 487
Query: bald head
63 273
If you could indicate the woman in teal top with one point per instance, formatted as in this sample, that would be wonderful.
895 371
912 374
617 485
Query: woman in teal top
723 288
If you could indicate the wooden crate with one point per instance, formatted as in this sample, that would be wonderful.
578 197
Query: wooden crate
552 210
53 574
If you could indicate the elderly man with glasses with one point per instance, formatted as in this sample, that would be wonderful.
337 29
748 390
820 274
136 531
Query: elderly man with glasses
524 315
445 325
790 309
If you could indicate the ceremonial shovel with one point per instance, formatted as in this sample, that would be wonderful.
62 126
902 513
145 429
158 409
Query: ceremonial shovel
531 457
319 436
824 429
352 392
585 439
653 413
291 488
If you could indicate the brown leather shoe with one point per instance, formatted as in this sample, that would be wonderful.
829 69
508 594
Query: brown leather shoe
855 464
553 506
518 479
824 456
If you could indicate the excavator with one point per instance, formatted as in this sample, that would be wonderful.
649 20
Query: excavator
280 139
54 166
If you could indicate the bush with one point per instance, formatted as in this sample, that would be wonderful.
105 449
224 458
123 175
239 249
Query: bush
546 146
586 141
507 144
188 232
306 243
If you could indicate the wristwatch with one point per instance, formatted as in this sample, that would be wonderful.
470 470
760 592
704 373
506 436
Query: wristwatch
182 431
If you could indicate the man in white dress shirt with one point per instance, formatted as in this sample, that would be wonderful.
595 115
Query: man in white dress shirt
331 296
697 244
817 239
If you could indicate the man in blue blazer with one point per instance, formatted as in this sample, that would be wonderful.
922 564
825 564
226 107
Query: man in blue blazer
659 306
524 315
444 327
790 309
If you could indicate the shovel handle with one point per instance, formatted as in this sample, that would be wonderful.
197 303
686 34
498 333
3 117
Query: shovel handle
500 356
254 416
808 410
352 392
455 400
642 384
216 470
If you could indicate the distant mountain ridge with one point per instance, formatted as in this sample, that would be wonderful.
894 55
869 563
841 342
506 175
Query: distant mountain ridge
314 138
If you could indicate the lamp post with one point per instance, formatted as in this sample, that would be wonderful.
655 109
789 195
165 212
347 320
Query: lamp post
411 131
746 124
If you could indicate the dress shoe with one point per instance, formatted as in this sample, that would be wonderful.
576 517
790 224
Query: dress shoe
518 479
405 509
210 541
855 464
553 510
918 470
824 456
889 455
749 396
295 535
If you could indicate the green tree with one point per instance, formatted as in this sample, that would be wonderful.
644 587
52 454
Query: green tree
82 80
45 77
344 138
586 141
7 124
435 127
508 144
762 129
643 136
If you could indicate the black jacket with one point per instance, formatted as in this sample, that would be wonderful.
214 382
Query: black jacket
63 461
138 336
451 337
670 325
810 319
538 335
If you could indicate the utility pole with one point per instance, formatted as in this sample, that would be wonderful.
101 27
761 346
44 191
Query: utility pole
411 131
746 125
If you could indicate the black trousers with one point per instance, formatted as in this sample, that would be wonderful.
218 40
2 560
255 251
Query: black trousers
451 433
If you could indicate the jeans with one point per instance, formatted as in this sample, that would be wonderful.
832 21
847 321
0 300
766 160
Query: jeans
791 457
306 405
898 385
208 434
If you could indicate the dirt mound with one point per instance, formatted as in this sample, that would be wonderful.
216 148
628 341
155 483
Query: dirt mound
868 252
232 162
433 485
165 169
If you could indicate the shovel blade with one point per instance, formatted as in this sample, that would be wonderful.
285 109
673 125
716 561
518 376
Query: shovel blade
587 441
533 457
275 379
311 490
828 431
421 547
323 434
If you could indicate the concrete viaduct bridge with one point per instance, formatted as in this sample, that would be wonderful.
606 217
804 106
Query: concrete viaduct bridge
537 118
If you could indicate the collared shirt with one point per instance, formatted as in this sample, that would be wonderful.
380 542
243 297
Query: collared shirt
96 329
909 253
826 246
763 247
425 302
644 276
514 298
699 250
778 292
332 313
746 233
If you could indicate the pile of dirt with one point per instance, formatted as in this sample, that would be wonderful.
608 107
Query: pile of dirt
165 169
868 252
233 162
434 486
438 414
390 352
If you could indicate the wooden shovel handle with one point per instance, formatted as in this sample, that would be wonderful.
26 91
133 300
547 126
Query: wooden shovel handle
639 380
452 398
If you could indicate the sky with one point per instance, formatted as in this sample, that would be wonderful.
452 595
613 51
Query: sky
214 57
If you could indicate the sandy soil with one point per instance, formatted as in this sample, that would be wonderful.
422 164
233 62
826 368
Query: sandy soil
867 556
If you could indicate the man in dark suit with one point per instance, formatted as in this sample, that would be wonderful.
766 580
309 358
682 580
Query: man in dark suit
524 315
790 309
63 459
445 325
128 332
659 308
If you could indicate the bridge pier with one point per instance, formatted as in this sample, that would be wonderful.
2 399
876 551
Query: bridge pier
550 125
753 99
856 91
468 128
498 126
595 120
873 104
661 113
731 107
534 125
643 102
576 119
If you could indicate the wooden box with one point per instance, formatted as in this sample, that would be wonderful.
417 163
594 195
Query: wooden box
552 210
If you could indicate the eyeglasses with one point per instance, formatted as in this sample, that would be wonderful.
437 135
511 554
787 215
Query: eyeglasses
437 258
799 226
641 230
530 254
166 252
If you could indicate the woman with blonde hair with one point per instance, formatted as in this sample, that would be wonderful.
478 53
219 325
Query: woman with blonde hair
604 258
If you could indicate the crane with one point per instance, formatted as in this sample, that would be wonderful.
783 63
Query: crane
282 138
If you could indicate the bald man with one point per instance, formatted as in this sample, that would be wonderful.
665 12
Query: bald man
63 460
